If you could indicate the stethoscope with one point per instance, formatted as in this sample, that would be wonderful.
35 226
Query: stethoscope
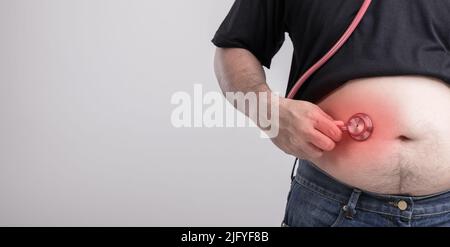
359 126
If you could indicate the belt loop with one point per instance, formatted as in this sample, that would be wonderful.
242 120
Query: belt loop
350 208
293 170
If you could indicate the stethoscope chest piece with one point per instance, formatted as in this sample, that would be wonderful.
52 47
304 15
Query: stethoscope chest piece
360 127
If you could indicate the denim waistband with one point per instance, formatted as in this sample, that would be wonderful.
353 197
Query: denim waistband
313 178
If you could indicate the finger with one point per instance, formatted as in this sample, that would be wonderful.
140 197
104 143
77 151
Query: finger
322 141
339 123
329 128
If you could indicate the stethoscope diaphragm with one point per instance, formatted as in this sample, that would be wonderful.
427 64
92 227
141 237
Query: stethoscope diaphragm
359 127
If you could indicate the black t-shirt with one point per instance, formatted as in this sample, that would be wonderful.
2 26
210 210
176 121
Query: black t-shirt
396 37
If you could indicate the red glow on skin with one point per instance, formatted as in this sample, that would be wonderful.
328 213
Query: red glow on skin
386 127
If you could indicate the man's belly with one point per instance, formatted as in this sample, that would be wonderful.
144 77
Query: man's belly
409 150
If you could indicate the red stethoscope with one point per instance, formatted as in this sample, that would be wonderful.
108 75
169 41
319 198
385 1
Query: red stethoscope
359 126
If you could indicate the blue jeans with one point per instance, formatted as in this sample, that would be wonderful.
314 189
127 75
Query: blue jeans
318 200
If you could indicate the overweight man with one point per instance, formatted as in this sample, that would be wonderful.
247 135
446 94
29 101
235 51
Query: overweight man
395 68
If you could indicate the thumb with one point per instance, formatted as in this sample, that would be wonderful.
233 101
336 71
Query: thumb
339 123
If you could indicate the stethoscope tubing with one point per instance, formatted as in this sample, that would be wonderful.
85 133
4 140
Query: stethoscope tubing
358 18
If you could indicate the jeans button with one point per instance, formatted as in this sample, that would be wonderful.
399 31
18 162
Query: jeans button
402 205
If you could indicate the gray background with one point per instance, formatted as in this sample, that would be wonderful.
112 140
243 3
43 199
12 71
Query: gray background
85 132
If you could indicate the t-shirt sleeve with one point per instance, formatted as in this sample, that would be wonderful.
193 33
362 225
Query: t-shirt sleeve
255 25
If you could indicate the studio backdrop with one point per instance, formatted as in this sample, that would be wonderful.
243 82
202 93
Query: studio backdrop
86 131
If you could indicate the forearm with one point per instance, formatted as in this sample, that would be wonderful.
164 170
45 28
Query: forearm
238 70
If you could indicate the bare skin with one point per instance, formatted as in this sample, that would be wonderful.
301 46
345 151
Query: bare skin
408 152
